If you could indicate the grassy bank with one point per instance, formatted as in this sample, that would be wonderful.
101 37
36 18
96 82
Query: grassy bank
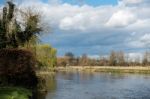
14 93
112 69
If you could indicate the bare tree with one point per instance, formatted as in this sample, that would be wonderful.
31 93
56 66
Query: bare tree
83 60
112 59
146 59
120 58
69 57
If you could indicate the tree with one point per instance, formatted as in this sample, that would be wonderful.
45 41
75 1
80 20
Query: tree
61 61
46 55
112 58
83 60
53 58
69 57
146 57
137 61
14 33
120 58
103 61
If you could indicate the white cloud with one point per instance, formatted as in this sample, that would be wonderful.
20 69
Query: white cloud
100 23
137 56
94 56
140 41
131 1
55 2
74 22
73 17
141 24
84 18
88 18
121 18
145 39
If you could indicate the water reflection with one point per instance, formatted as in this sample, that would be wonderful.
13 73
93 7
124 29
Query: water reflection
47 84
77 77
88 85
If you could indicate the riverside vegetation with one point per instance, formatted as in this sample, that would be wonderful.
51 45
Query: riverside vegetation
20 53
116 58
116 62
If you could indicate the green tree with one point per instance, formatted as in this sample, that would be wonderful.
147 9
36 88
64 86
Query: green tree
11 32
46 55
53 58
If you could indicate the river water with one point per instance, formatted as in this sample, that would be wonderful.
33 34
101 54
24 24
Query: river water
86 85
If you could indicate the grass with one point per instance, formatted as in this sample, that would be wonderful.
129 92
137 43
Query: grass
123 71
112 69
14 93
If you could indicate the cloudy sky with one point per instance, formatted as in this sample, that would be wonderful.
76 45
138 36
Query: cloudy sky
95 27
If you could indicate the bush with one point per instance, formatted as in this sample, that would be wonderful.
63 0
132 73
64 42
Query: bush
17 68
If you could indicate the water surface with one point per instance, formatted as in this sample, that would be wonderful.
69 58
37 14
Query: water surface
83 85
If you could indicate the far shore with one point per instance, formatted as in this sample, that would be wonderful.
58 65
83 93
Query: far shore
115 69
109 69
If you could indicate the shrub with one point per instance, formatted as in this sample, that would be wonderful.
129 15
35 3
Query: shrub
17 68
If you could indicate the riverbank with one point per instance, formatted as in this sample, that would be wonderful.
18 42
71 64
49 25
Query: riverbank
112 69
14 93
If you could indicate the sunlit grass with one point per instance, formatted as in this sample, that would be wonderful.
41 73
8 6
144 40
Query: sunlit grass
112 69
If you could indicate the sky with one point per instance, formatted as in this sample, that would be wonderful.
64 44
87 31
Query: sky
95 27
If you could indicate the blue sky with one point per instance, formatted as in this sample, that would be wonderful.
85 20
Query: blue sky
1 1
93 2
89 2
95 27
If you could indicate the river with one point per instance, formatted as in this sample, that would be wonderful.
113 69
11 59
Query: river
86 85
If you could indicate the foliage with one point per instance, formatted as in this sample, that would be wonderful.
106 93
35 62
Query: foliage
17 68
46 55
12 32
116 58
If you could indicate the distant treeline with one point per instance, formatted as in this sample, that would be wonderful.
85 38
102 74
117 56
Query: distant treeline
116 58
